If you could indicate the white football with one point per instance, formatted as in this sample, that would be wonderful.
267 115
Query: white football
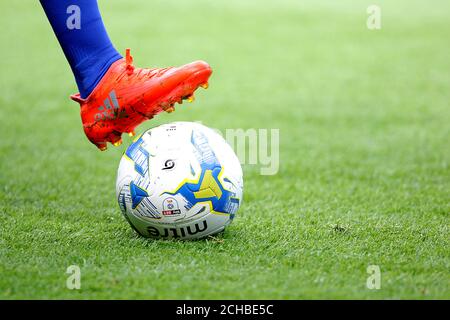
179 180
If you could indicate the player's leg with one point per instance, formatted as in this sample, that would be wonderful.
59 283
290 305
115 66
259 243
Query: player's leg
115 96
83 38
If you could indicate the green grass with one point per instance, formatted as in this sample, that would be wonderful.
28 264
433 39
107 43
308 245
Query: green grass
364 148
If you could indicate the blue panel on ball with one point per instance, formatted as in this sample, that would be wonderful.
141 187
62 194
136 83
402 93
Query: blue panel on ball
139 155
137 195
225 201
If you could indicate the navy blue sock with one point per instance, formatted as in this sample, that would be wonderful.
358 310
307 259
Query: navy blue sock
80 31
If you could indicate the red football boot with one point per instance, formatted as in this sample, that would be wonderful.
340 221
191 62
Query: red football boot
126 96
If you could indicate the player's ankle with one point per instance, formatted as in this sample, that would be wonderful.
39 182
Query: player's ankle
89 73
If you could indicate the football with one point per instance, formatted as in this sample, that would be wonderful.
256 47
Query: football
179 180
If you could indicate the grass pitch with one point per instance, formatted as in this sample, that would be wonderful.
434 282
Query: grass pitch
364 153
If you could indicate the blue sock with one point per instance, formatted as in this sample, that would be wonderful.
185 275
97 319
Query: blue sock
83 38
